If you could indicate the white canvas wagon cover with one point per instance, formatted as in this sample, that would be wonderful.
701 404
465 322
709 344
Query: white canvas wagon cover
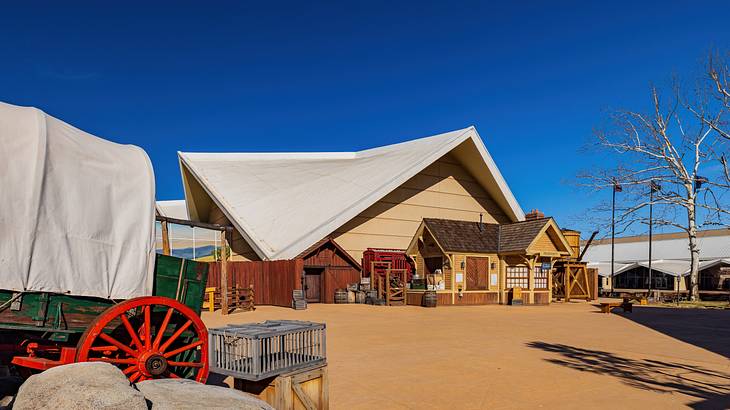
76 211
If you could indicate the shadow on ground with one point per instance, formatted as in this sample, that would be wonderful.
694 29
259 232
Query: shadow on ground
710 387
705 328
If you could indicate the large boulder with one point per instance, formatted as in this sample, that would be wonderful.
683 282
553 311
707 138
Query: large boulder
79 386
183 394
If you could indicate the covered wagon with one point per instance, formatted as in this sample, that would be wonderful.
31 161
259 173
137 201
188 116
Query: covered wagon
79 276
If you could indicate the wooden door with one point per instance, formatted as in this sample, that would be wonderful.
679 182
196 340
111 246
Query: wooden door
313 286
477 273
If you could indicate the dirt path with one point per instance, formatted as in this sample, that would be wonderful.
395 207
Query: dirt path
558 356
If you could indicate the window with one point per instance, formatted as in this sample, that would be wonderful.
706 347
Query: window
518 276
541 277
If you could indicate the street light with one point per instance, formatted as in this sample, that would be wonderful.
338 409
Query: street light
654 187
616 188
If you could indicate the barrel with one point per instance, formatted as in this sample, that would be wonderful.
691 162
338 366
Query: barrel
360 297
429 299
341 296
350 296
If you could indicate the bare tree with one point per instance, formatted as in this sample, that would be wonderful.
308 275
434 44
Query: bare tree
671 158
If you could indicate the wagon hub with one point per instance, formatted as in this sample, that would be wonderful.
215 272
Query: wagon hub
154 364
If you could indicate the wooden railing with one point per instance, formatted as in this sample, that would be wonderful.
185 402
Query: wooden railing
239 297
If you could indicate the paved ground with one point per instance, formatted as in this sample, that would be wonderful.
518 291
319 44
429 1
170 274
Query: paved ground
559 356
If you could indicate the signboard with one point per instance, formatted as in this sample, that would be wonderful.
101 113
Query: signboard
493 279
459 277
546 265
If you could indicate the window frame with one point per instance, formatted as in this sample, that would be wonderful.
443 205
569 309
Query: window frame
513 281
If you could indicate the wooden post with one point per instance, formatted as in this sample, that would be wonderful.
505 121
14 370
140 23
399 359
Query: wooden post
165 238
387 287
224 272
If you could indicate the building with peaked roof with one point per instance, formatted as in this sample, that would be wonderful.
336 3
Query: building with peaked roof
481 263
670 262
281 204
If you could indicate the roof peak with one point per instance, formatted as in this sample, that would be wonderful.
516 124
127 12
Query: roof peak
273 155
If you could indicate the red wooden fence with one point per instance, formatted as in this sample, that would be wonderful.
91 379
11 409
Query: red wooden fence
272 281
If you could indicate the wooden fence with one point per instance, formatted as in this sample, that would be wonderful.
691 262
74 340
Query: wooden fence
272 281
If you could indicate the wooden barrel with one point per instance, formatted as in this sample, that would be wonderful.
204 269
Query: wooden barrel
350 296
429 299
341 296
360 297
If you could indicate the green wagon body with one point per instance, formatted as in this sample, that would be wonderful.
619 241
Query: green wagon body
60 316
53 319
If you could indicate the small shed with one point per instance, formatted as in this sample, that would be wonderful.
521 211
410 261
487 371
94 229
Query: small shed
327 267
473 263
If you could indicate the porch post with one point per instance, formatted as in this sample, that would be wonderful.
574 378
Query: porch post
224 272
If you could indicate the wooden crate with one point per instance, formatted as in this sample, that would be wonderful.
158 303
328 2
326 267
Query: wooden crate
305 389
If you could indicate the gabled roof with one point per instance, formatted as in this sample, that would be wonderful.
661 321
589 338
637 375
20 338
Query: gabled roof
172 209
475 237
711 263
713 244
464 236
282 203
334 244
519 236
669 267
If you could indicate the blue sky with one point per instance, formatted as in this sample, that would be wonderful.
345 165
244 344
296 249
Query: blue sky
535 78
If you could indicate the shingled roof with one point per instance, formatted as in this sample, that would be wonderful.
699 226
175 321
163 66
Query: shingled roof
519 235
466 236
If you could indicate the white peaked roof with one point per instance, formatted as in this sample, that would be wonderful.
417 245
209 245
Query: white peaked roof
604 268
77 211
711 247
282 203
172 209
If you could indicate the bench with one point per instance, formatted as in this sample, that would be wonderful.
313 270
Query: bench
607 306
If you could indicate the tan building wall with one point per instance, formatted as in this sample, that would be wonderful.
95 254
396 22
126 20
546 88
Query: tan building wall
445 190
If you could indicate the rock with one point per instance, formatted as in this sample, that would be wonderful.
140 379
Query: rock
183 394
79 386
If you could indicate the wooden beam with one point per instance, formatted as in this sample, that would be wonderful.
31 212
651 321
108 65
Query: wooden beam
194 224
224 272
165 238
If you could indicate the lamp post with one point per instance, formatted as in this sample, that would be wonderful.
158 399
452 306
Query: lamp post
616 188
654 187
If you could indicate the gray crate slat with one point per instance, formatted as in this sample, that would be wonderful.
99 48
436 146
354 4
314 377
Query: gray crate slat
255 351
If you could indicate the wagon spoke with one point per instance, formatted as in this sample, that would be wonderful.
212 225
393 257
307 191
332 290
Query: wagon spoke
130 369
118 344
130 330
185 364
175 335
134 376
113 360
162 328
147 324
182 349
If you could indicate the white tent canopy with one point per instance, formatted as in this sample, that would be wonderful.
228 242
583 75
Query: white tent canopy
172 209
711 247
604 268
77 211
282 203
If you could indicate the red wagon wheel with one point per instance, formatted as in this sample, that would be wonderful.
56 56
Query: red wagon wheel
150 337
